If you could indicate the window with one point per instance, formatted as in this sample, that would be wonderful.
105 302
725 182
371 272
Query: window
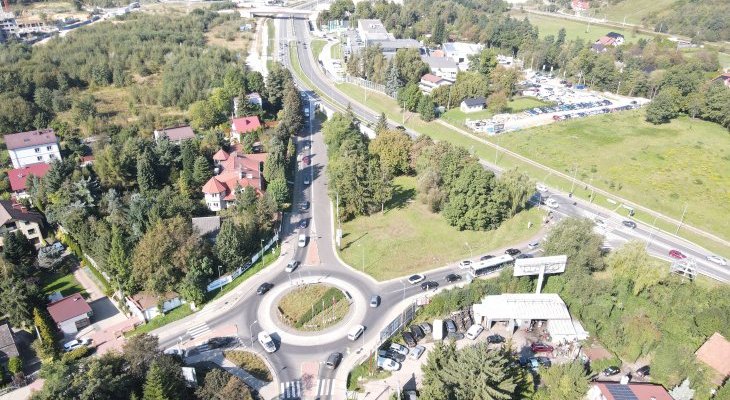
49 147
37 149
31 231
52 156
39 158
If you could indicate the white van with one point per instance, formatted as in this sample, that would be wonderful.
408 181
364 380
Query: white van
438 329
302 242
355 332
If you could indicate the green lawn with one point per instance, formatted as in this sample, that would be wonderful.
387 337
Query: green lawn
724 59
271 50
457 117
633 10
251 363
64 283
575 29
317 46
408 238
174 315
336 51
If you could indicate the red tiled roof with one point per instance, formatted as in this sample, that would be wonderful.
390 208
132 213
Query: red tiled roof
68 307
237 170
220 155
431 78
715 352
87 159
213 186
30 138
18 177
246 124
642 391
606 41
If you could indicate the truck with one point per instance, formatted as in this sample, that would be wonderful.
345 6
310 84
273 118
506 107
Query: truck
438 329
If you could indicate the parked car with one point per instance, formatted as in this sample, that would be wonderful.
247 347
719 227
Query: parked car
426 327
643 371
304 206
305 160
452 278
264 287
429 285
629 224
302 241
541 348
374 301
541 188
417 332
717 260
495 339
474 331
524 255
552 203
413 279
386 353
676 254
221 342
303 223
512 252
485 257
464 264
450 326
306 181
416 352
388 364
399 348
293 264
610 371
333 360
409 339
533 245
76 343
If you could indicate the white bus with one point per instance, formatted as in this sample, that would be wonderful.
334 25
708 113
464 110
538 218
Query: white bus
494 264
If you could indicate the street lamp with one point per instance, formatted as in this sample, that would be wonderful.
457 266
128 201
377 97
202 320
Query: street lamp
262 251
219 277
471 254
250 329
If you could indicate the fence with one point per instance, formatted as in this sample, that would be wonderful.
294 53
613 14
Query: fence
224 280
368 85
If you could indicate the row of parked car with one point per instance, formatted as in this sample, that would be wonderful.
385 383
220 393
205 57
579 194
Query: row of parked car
568 107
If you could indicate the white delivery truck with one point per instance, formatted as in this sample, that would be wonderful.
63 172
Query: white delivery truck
438 329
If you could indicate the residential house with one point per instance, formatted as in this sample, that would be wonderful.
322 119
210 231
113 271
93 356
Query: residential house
243 125
580 5
599 48
86 161
442 66
618 38
715 352
71 313
627 391
8 348
460 52
145 305
473 104
14 216
429 82
175 135
18 177
724 79
252 98
32 147
235 171
207 227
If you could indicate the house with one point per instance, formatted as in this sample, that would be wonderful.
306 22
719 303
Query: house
442 66
724 79
207 227
472 104
175 135
243 125
14 216
32 147
521 309
580 5
460 52
8 348
372 30
429 82
627 391
145 305
618 38
71 313
86 161
235 171
252 98
18 177
715 352
599 48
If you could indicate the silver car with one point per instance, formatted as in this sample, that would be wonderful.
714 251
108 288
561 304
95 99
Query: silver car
416 352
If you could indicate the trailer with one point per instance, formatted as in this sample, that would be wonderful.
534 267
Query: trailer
438 329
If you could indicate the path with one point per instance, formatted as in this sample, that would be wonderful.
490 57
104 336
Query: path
266 390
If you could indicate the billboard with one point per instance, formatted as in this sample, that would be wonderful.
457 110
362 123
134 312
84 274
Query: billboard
540 265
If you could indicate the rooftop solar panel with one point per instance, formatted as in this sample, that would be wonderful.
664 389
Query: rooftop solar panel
621 392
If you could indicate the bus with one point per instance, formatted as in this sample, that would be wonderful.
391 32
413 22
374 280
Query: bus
494 264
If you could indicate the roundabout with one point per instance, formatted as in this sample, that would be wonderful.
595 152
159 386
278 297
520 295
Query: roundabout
295 333
313 307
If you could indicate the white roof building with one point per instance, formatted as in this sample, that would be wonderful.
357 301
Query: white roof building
461 51
372 30
520 309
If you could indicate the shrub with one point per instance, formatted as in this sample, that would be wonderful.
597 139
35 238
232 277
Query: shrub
250 363
15 365
76 354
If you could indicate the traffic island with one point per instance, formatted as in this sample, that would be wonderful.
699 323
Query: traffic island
313 307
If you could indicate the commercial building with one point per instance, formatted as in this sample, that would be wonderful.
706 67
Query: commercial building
16 217
372 30
442 66
71 313
522 309
461 51
32 147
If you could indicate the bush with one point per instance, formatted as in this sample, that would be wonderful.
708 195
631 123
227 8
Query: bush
76 354
250 363
15 365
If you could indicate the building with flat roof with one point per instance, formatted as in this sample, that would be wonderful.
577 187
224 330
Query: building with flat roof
461 51
372 30
442 66
175 135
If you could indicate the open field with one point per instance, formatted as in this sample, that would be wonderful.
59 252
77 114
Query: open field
632 10
313 307
251 363
64 283
574 29
317 46
409 238
336 51
228 36
298 302
457 117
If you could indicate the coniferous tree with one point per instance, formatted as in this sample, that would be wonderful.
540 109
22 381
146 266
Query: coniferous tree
145 173
382 124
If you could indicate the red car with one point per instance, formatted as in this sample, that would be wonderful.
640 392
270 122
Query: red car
676 254
305 160
541 348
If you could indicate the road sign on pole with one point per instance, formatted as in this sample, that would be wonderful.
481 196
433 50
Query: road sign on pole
540 266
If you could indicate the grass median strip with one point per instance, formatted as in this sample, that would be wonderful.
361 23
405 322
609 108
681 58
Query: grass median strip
251 363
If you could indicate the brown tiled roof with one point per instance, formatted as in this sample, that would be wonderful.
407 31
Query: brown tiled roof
715 352
145 300
68 307
30 138
177 134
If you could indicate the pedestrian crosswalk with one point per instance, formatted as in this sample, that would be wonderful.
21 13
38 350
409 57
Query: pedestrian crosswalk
198 330
324 387
291 390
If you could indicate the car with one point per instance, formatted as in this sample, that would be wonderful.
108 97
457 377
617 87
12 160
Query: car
717 260
267 342
306 160
512 252
416 352
533 245
413 279
474 331
386 353
643 371
544 361
464 264
541 348
495 339
333 360
174 351
399 348
426 327
409 339
452 278
293 264
306 181
485 257
600 223
552 203
303 223
417 332
450 326
629 224
676 254
264 287
304 206
610 371
388 364
302 241
429 285
523 255
76 343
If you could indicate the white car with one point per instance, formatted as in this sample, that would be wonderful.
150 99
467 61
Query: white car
541 188
267 343
601 223
552 203
306 181
76 343
717 260
413 279
473 332
302 242
417 352
293 264
464 264
399 348
388 364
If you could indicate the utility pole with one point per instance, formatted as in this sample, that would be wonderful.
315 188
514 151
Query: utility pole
681 220
575 172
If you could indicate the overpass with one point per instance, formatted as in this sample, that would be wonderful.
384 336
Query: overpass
274 11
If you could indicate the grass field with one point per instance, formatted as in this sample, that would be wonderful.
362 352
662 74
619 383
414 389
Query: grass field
457 117
174 315
317 46
336 51
64 283
313 307
299 301
250 363
632 10
409 238
271 50
574 29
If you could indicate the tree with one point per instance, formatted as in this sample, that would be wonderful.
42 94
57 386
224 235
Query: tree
194 284
425 108
393 148
519 188
575 238
164 380
665 106
230 247
146 179
139 352
103 377
632 262
15 365
292 108
382 124
118 259
393 83
154 385
484 62
279 190
497 102
469 204
380 184
221 385
47 346
563 382
201 171
409 97
439 32
203 115
17 296
18 250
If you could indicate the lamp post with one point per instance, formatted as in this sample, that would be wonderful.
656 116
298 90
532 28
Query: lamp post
219 276
471 254
262 252
250 329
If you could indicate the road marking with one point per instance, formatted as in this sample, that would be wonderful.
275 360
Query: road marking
198 330
290 390
325 387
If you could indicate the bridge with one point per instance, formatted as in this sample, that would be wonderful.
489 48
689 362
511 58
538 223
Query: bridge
274 11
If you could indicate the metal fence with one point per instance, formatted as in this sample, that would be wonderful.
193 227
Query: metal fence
397 323
368 85
224 280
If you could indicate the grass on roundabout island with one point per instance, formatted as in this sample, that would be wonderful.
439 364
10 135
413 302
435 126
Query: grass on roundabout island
313 307
251 363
